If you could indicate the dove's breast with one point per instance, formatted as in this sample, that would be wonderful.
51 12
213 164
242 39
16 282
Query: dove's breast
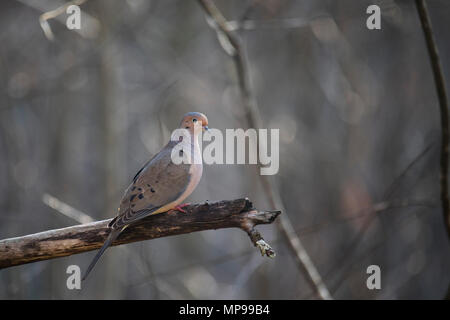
195 173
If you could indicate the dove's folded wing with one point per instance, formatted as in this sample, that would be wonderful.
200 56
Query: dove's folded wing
157 184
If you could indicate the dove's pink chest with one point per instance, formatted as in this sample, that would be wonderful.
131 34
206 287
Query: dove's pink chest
195 172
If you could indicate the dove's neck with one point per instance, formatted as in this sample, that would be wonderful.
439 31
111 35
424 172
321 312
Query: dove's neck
190 142
195 149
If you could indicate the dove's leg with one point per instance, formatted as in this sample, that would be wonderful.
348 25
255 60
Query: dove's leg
181 206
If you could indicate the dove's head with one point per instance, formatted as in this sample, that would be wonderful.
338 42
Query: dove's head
194 122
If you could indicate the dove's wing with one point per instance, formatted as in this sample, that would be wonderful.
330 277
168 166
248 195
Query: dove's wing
157 184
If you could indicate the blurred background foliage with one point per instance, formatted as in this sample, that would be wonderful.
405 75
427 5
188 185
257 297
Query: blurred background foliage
359 143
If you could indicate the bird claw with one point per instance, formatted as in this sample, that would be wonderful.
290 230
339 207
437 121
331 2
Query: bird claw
181 206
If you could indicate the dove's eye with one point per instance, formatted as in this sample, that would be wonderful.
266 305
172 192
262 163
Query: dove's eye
194 120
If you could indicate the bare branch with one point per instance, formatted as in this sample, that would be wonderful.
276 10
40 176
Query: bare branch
231 45
65 209
443 107
289 23
82 238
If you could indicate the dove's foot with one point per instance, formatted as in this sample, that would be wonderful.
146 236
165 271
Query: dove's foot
181 206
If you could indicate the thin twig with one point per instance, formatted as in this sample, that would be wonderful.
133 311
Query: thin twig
66 209
367 212
289 23
394 184
43 19
443 107
232 47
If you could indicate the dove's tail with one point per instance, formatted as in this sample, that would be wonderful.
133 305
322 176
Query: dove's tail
112 236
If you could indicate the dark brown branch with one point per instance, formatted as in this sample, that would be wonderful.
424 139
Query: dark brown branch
443 107
86 237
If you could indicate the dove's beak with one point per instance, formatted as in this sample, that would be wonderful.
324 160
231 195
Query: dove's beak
205 128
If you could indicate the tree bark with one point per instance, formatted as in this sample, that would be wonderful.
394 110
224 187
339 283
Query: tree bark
86 237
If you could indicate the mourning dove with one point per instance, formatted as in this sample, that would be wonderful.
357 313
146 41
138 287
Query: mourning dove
161 185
